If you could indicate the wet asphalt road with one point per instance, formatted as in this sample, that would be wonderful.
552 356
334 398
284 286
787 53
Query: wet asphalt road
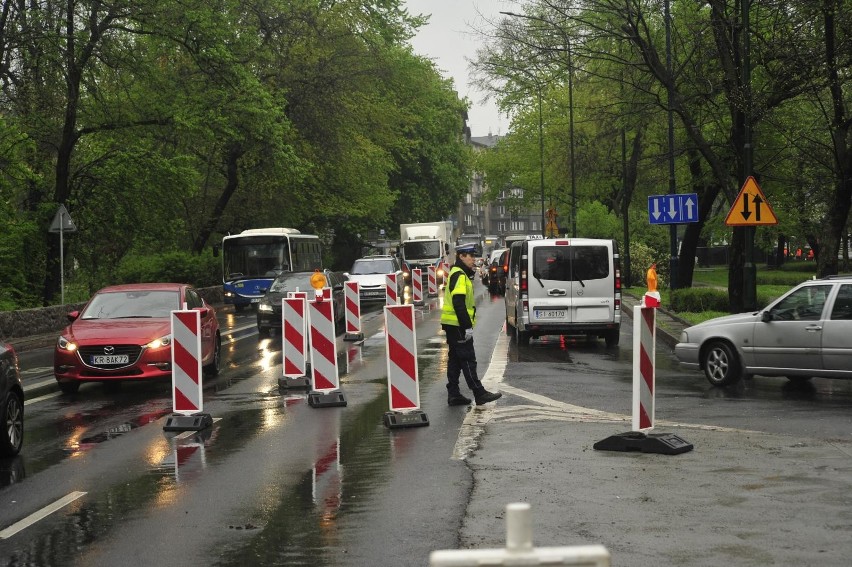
276 482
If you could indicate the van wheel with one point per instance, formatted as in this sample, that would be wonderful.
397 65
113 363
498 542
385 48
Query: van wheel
611 338
721 365
522 337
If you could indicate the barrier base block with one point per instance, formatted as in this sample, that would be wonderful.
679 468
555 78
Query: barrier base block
398 419
193 422
287 382
663 443
332 399
353 337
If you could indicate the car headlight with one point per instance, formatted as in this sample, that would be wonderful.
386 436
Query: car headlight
265 307
65 344
163 341
229 294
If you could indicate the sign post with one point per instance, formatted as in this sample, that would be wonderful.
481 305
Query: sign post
750 209
62 223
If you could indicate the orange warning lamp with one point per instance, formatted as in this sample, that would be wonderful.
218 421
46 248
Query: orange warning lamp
318 282
652 296
652 277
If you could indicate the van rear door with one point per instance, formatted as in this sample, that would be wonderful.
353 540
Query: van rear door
592 283
570 283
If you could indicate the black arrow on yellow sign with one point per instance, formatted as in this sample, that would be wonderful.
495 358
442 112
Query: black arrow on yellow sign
740 213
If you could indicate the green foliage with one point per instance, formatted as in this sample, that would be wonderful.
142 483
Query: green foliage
199 270
699 299
594 220
784 277
641 258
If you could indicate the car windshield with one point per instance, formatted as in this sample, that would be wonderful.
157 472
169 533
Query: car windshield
292 282
132 304
364 267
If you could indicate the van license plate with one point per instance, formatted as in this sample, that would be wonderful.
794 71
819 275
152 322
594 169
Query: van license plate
549 314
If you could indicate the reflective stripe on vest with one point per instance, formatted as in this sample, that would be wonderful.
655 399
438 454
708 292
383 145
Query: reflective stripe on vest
448 314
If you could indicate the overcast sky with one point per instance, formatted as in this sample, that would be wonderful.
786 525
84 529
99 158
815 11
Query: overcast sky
449 40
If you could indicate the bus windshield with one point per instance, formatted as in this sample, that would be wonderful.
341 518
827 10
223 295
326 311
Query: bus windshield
255 257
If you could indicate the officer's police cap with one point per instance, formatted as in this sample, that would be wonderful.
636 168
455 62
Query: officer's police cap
465 249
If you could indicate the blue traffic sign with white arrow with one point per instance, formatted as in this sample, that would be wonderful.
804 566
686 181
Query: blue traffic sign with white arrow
673 209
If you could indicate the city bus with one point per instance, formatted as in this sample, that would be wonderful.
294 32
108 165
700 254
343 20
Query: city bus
254 257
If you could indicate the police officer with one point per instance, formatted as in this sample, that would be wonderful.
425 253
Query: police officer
458 317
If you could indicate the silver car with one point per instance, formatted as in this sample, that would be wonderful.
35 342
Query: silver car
805 333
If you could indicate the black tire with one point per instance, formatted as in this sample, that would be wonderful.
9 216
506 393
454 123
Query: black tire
263 331
212 369
69 387
11 425
721 364
612 337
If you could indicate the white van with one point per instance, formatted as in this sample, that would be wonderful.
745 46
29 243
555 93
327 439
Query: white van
564 286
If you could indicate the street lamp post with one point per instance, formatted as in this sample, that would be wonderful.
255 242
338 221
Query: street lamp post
571 142
541 158
673 261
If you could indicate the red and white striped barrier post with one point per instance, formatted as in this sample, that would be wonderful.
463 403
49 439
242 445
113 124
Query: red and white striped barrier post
187 399
403 384
326 383
417 286
391 291
294 343
432 274
644 373
352 296
644 355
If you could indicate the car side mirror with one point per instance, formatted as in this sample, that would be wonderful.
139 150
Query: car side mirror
766 316
205 311
72 316
263 289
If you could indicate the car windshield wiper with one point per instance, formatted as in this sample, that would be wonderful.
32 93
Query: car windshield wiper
537 277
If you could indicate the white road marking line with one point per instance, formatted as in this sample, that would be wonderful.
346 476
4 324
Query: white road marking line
42 398
40 515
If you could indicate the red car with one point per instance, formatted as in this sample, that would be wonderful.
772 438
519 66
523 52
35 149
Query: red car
124 333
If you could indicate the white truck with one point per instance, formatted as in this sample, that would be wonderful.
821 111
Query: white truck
424 244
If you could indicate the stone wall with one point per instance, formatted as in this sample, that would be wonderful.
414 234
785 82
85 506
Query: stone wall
28 322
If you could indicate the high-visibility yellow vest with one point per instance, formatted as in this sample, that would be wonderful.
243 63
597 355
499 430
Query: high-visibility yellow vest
463 285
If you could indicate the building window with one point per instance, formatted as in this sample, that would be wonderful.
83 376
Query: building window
518 225
501 226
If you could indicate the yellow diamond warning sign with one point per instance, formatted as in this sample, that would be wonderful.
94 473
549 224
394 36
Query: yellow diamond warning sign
750 208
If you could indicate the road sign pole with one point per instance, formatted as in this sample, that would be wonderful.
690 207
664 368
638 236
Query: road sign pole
673 261
749 272
61 263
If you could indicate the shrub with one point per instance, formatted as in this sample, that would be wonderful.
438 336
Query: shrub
697 299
